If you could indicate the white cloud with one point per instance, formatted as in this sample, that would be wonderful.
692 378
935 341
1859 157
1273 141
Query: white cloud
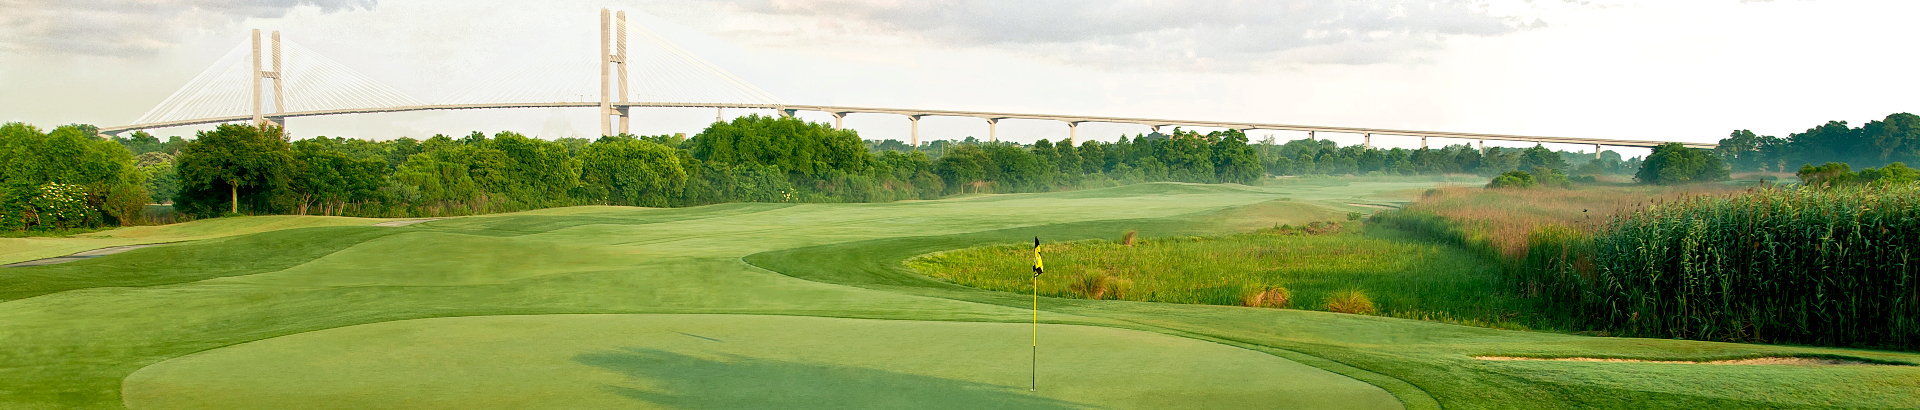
1146 35
124 28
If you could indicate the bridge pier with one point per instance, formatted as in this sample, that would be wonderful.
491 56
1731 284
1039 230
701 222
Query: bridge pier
838 117
613 62
1596 151
1073 132
915 137
1310 136
1423 142
260 119
993 130
1367 139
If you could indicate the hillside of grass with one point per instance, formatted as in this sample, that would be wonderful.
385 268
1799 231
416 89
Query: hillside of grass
583 308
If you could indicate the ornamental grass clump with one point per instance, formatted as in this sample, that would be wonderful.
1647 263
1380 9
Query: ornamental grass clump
1100 286
1351 301
1269 297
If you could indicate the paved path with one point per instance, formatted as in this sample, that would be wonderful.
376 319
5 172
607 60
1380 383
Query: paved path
81 255
406 222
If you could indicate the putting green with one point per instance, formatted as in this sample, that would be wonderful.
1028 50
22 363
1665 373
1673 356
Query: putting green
734 361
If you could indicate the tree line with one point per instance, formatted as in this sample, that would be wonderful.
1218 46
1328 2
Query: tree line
242 169
1895 138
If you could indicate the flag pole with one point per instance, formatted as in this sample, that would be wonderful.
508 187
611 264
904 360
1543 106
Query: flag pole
1037 270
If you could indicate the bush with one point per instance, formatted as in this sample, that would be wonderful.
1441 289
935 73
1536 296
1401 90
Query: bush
1100 286
1513 180
1351 302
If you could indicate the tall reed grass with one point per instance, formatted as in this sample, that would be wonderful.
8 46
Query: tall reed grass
1833 267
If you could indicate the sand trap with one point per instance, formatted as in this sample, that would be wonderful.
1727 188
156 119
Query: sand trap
1788 361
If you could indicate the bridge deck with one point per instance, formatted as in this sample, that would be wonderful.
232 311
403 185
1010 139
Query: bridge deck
946 113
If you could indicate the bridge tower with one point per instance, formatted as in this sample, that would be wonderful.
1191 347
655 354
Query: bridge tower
613 63
260 118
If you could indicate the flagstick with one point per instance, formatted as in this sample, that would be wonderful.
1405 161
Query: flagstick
1035 383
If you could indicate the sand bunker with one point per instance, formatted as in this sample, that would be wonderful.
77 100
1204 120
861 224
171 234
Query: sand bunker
1788 361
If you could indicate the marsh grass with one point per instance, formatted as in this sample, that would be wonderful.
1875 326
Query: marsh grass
1402 276
1351 301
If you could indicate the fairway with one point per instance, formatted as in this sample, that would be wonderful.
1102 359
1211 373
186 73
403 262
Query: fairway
728 306
733 361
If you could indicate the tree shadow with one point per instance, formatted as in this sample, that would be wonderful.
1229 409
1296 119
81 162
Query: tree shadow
736 382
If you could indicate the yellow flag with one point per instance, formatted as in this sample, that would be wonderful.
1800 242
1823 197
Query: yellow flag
1037 267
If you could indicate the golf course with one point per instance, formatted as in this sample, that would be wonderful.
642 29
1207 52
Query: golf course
794 306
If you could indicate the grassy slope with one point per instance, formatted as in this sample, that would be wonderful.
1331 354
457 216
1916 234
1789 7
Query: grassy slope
26 249
71 349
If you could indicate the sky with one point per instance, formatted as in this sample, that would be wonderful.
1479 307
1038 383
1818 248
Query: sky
1691 70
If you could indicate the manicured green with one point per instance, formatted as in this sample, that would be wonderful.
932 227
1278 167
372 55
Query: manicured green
734 362
77 348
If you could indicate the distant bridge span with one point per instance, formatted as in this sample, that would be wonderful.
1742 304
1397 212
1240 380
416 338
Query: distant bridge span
914 114
315 86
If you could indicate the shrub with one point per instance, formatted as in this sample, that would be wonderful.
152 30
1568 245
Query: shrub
1350 301
1269 297
1512 180
1355 216
1127 239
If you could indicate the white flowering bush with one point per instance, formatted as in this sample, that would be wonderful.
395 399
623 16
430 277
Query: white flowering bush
54 205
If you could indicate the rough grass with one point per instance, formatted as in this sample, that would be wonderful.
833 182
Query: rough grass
1407 279
1501 219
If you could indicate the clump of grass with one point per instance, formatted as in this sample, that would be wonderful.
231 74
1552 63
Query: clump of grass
1127 239
1269 297
1351 301
1100 286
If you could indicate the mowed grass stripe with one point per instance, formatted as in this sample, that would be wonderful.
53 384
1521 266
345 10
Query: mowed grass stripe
734 361
181 263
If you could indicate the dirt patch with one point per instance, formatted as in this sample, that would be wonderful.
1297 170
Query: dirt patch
1372 206
1775 361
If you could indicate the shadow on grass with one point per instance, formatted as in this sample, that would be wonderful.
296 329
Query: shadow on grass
733 382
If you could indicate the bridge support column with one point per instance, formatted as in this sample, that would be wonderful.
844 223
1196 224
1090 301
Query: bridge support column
260 117
838 117
1073 132
620 62
1367 139
1596 151
914 139
606 57
785 113
1483 145
993 130
1423 142
1310 136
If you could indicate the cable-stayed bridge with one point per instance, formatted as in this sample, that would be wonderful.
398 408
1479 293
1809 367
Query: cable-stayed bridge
269 80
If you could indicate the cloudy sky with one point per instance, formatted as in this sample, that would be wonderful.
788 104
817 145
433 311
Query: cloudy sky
1630 69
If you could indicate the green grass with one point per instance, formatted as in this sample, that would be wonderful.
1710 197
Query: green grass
515 280
732 362
26 249
1404 278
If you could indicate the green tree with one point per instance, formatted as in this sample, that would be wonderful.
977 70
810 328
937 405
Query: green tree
1673 163
235 160
632 172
